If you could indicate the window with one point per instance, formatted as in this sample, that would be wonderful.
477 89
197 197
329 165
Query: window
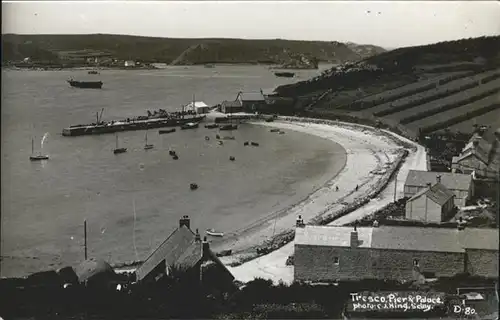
336 261
415 262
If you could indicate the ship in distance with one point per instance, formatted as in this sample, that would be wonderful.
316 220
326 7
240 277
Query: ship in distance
85 84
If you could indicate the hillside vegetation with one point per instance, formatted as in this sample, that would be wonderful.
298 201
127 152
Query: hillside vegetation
182 51
416 90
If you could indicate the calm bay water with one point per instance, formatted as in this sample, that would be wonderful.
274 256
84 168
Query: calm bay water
133 201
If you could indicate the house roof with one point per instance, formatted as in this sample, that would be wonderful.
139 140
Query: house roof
401 238
452 181
231 104
437 193
91 268
416 239
475 238
481 151
197 104
251 96
332 236
170 250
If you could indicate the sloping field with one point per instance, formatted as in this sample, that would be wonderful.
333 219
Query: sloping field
442 91
448 103
491 118
454 116
404 91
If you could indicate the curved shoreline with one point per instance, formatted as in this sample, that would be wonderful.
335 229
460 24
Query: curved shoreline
381 152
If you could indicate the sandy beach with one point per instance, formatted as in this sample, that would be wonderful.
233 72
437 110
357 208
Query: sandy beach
369 150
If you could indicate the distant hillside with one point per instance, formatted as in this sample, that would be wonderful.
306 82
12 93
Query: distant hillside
182 51
464 50
460 55
365 50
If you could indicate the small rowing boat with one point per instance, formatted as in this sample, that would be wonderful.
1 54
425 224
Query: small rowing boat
213 233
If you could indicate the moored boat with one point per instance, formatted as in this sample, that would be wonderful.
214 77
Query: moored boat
228 127
86 84
189 125
93 72
255 144
146 145
37 157
164 131
213 233
118 150
193 186
211 126
274 130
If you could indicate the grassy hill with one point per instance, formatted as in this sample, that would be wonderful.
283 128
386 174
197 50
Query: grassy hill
182 51
449 86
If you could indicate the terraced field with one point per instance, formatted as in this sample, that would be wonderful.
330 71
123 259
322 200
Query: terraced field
449 102
490 104
404 91
441 91
491 118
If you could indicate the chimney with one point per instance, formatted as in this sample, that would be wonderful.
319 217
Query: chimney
429 184
184 221
475 143
354 238
438 178
300 222
375 223
197 236
205 247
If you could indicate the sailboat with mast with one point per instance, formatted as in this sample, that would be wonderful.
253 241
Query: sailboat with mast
117 149
39 156
146 145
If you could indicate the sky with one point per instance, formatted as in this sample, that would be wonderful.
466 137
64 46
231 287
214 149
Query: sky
389 24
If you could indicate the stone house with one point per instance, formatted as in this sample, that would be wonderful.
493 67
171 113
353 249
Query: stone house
480 155
330 253
460 184
231 106
185 250
432 204
252 101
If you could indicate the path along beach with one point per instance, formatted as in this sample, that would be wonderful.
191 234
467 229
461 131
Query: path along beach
371 154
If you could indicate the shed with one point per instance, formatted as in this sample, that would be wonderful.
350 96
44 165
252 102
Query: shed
432 204
231 106
460 184
199 107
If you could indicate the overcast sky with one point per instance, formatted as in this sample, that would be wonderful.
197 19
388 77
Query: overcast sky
389 24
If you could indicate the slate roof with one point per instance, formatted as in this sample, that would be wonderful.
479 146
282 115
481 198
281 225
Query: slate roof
401 238
251 96
332 236
170 250
230 104
452 181
416 239
437 193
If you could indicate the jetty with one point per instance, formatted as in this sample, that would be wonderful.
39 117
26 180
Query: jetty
158 120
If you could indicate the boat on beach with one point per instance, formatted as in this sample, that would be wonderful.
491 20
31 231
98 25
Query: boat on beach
285 74
213 233
164 131
37 157
85 84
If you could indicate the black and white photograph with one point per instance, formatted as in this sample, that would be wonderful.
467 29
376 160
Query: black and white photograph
250 160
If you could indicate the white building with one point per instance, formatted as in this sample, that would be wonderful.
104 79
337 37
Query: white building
199 107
